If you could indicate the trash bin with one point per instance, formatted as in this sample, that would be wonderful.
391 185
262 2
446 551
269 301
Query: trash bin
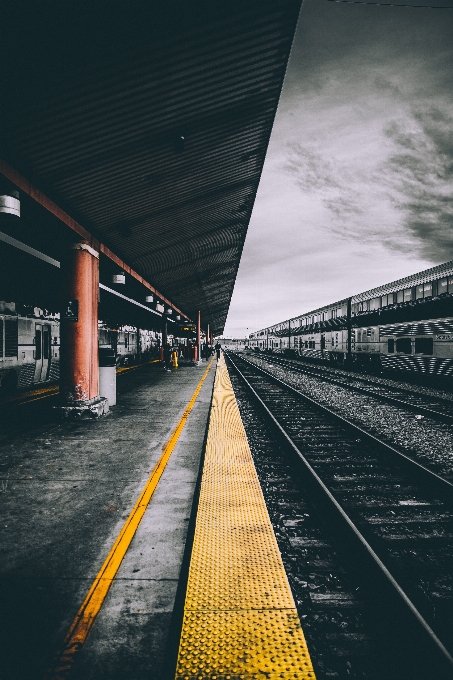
107 374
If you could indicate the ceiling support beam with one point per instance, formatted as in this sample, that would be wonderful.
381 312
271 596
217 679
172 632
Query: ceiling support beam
24 185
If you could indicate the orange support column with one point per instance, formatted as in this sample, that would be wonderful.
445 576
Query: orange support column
79 363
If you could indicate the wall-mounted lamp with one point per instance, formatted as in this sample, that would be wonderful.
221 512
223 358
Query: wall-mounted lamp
169 310
178 317
119 278
149 298
10 203
160 308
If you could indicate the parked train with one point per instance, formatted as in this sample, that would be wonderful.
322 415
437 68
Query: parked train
30 346
406 325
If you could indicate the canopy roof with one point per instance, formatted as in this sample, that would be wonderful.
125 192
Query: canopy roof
148 123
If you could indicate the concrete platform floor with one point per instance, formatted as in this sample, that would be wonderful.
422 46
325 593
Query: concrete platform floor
66 490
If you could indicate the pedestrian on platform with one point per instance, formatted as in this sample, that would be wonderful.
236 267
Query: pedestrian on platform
217 348
167 357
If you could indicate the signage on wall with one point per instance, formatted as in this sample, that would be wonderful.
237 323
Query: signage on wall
70 311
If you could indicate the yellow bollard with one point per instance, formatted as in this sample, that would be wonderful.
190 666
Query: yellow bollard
174 359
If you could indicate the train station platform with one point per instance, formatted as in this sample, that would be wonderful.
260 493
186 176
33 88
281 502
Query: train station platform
68 490
121 559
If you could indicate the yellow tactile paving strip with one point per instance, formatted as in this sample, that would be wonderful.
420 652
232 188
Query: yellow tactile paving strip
240 620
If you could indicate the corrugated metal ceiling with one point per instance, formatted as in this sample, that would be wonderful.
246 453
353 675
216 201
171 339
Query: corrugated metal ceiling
100 131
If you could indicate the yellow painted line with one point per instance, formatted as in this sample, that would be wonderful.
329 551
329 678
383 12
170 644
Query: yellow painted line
53 389
240 619
45 396
86 616
132 368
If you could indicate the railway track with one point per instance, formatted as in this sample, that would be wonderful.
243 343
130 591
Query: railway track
420 402
390 518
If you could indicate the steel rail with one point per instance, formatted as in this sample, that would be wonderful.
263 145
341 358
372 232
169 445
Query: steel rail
441 484
427 633
425 410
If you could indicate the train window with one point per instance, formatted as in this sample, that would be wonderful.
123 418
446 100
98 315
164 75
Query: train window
423 345
450 284
384 301
45 343
391 298
428 290
400 296
11 337
306 344
374 303
407 294
390 346
38 344
404 345
1 338
418 292
442 286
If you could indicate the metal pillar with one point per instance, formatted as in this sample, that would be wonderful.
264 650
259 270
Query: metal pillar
164 331
199 336
79 362
349 331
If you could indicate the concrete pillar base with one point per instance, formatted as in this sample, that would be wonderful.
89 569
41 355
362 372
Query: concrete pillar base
93 408
197 363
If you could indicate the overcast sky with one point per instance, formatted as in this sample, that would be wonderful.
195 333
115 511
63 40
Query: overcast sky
357 187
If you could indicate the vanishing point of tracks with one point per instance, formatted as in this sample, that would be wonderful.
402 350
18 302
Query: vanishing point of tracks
389 519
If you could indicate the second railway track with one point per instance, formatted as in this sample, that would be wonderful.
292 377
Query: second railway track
394 515
422 402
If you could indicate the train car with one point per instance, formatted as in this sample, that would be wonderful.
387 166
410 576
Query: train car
405 326
30 346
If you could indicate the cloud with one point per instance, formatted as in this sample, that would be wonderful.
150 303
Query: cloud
419 177
310 169
314 173
356 207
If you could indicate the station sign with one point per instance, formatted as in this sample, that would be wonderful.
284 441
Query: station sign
70 311
187 328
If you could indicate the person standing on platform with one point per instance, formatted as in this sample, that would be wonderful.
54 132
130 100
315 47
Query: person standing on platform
167 357
217 348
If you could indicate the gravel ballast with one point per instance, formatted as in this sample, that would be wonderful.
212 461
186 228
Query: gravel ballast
426 440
